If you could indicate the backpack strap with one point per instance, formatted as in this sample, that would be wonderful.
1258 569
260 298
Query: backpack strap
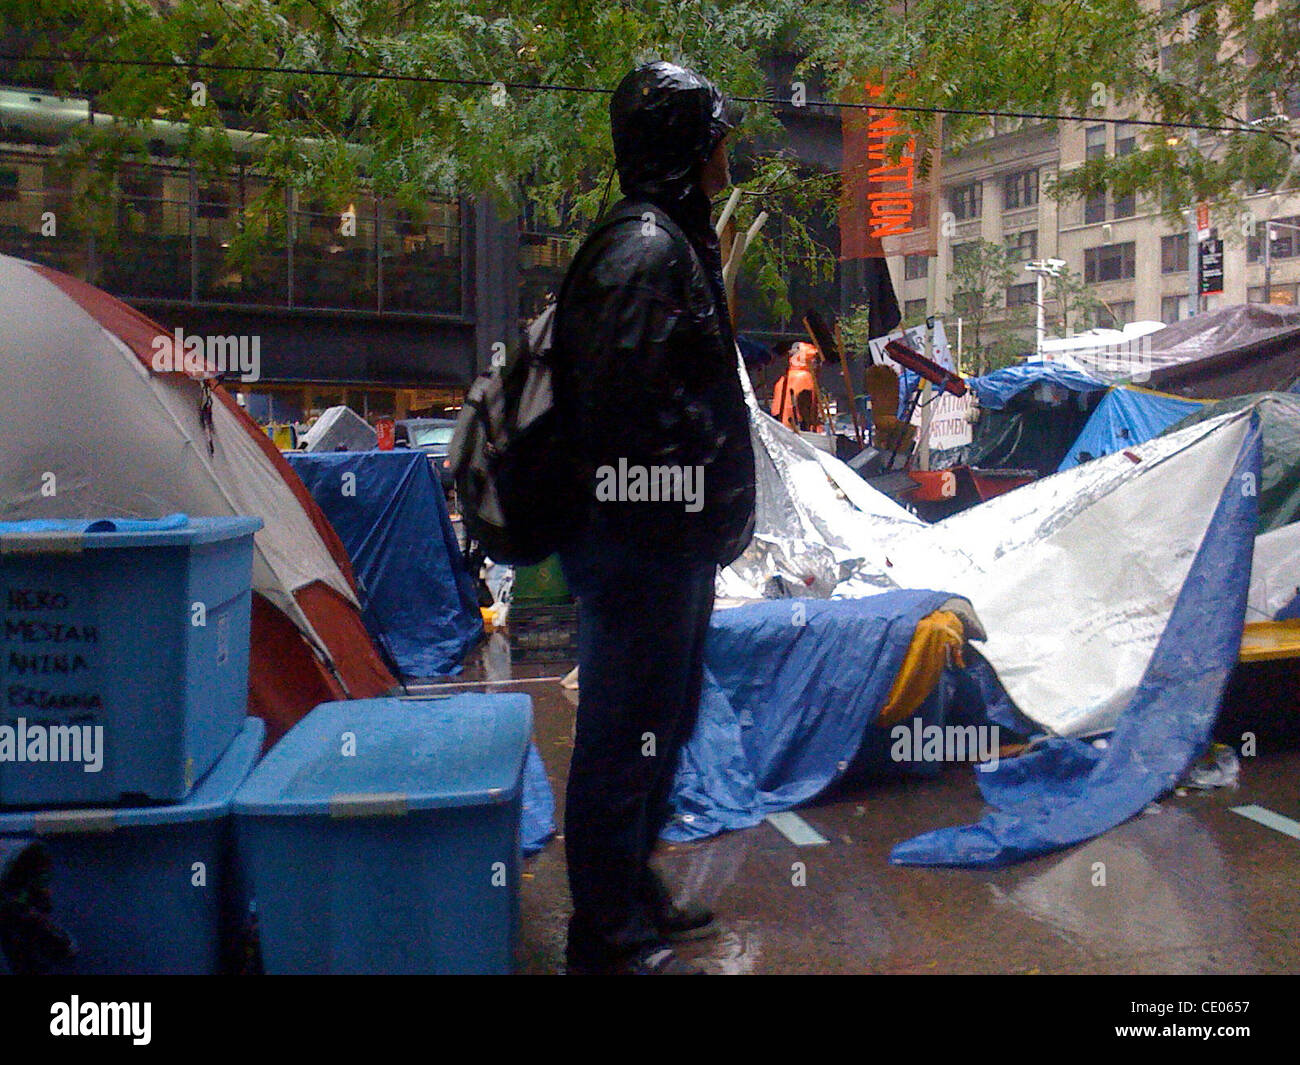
634 210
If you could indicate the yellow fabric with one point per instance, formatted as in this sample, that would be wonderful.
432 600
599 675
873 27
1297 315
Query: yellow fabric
1264 640
937 641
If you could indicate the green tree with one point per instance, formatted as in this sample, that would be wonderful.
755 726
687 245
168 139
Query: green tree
426 98
981 271
434 95
1073 307
1233 66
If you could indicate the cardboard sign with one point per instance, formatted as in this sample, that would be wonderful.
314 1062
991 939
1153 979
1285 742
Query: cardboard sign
949 426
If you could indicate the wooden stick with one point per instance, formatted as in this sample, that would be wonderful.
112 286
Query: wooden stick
727 211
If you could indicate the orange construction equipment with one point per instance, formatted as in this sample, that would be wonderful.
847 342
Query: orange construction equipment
794 400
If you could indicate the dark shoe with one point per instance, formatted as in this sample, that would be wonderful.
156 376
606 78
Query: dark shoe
683 923
650 961
676 922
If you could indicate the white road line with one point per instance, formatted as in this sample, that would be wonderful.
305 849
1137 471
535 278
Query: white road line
796 829
1266 817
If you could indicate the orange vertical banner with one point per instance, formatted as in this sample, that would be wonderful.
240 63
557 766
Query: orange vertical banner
888 205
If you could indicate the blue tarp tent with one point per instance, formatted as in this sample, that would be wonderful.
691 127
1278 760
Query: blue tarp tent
997 389
1127 416
1067 790
1019 428
390 513
792 687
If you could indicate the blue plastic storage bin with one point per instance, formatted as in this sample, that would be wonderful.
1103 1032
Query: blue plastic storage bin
136 627
149 889
382 836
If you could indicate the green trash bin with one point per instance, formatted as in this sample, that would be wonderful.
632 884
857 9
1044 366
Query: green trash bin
540 584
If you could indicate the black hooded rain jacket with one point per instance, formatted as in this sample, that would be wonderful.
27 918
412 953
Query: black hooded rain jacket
647 369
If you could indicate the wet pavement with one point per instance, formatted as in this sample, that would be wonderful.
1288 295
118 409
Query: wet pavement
1187 887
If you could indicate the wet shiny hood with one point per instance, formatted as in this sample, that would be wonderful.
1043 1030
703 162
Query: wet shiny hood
666 121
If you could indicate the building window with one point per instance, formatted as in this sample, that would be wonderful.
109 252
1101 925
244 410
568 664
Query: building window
1277 294
1020 189
1173 254
1025 295
961 251
965 303
1110 262
1124 206
1094 209
1286 240
1173 309
1022 246
915 266
914 310
1094 141
213 202
966 201
1125 140
1121 312
9 185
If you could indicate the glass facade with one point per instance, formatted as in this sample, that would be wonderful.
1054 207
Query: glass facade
170 234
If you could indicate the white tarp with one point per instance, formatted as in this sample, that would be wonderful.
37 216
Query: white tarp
339 429
1275 573
815 519
1109 355
1073 576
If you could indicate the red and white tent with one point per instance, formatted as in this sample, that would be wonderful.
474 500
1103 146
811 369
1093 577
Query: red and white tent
88 429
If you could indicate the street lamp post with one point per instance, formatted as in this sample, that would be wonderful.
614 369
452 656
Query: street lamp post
1043 268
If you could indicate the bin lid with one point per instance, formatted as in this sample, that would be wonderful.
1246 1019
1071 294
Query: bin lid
39 535
385 757
209 800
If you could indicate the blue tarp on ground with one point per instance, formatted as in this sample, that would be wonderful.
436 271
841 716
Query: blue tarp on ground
1068 791
1127 416
791 687
391 515
997 389
538 822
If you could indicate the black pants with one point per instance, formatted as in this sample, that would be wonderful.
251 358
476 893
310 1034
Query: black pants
643 618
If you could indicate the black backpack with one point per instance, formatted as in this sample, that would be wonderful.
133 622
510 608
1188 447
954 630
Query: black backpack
516 477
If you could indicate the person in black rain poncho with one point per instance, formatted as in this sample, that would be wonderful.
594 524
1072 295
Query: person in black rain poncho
648 385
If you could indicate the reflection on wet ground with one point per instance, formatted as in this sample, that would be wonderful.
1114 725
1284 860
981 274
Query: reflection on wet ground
1187 887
